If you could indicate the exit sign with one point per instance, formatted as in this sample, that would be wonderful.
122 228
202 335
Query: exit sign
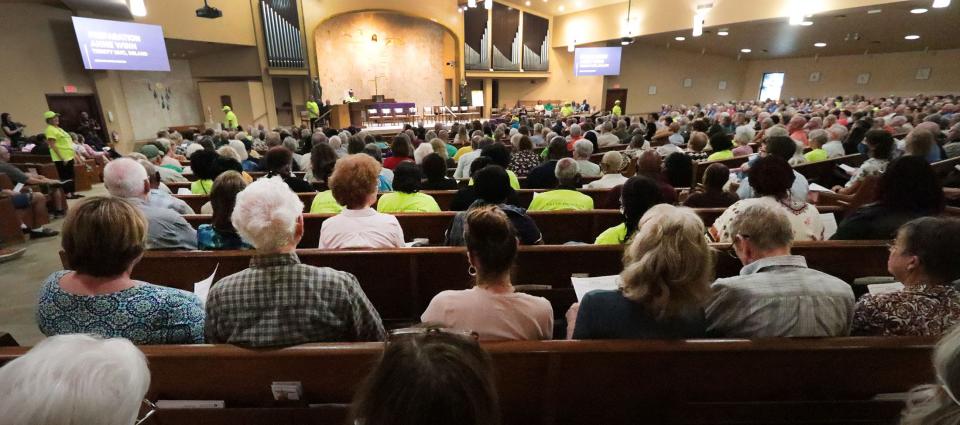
69 89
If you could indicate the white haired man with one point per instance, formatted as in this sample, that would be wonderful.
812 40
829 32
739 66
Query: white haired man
278 301
53 383
775 295
581 153
127 179
834 147
161 197
606 137
611 165
565 196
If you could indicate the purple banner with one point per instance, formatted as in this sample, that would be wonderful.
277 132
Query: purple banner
121 45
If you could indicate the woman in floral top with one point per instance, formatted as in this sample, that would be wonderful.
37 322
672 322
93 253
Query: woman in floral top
879 149
924 258
525 159
771 178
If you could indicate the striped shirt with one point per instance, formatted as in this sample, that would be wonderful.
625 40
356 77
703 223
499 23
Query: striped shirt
780 297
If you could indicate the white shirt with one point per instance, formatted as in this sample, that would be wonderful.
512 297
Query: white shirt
463 165
607 181
493 316
834 149
587 168
665 150
607 139
780 297
676 139
364 228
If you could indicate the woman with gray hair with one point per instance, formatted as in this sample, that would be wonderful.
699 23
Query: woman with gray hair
76 379
937 403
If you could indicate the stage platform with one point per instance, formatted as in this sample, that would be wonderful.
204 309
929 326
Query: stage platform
390 129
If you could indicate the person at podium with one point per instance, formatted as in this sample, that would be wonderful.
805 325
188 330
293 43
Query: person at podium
350 98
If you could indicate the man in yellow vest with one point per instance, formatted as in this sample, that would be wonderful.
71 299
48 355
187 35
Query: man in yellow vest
229 119
61 151
566 110
617 111
313 112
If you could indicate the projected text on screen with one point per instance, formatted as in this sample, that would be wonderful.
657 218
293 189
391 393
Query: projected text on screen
597 61
121 45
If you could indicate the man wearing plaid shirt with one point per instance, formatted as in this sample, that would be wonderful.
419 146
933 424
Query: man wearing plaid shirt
278 301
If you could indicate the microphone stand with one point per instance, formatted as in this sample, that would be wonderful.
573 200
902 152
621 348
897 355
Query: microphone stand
444 109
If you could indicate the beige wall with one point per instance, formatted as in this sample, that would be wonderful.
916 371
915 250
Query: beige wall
890 74
179 20
248 100
40 56
229 63
407 59
148 112
561 84
644 66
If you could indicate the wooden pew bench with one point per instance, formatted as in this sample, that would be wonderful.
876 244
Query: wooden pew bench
784 381
401 282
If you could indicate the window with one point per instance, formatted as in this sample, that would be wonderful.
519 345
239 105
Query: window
770 86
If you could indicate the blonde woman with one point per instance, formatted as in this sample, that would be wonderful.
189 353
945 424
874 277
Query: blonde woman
937 404
665 283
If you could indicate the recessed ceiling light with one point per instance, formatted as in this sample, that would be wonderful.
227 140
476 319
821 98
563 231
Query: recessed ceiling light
679 38
912 37
806 23
579 4
918 11
723 33
527 3
561 8
745 50
874 11
819 44
937 4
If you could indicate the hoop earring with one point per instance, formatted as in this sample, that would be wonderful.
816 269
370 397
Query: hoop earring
472 271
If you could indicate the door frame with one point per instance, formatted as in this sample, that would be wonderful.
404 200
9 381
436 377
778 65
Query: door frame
97 110
608 100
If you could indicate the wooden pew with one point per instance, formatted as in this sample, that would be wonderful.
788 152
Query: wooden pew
401 282
783 381
823 170
945 167
557 227
699 168
10 232
254 174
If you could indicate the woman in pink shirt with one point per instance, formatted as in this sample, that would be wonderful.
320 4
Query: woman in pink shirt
354 184
492 308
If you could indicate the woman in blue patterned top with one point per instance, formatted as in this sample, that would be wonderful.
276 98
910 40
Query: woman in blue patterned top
220 234
103 238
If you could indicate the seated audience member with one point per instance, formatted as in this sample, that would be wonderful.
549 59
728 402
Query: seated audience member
880 146
922 143
924 258
565 196
742 138
544 175
637 196
712 195
695 146
611 165
402 151
936 403
127 179
491 251
278 301
435 171
440 148
771 178
278 162
453 377
581 153
354 185
323 159
220 234
666 276
491 187
795 128
103 239
782 147
406 196
499 155
385 178
817 138
159 197
722 147
524 159
834 147
229 160
650 165
661 141
75 379
421 152
167 174
606 137
465 158
31 207
202 166
908 190
678 170
775 295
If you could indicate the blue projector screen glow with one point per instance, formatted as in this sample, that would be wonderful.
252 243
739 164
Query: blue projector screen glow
121 45
597 61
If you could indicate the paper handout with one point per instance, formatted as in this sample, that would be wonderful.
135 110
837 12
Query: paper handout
582 285
883 288
817 188
850 170
202 288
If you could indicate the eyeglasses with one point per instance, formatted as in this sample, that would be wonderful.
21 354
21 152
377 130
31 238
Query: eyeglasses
732 252
152 410
431 330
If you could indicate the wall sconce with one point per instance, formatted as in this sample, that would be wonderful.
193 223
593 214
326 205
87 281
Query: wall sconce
373 38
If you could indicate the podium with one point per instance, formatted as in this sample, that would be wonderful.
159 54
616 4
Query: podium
340 116
356 114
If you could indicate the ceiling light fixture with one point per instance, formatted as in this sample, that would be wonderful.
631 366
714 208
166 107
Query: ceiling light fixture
679 38
745 50
527 3
806 23
937 4
874 11
697 24
723 32
911 37
625 41
572 46
819 44
137 8
561 8
918 11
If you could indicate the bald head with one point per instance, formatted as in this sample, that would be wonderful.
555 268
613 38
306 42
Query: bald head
648 162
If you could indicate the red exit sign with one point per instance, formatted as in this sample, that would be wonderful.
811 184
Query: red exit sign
69 89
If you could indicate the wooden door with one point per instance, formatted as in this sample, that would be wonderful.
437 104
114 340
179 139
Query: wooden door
69 106
614 95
